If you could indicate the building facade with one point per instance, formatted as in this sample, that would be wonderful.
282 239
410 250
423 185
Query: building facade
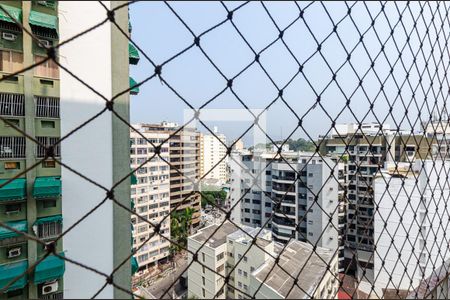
184 154
227 252
213 157
365 149
306 187
410 198
30 101
150 195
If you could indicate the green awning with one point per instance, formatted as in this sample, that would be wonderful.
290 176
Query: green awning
47 187
51 268
43 20
17 225
15 190
9 272
133 179
134 265
51 219
15 12
134 89
133 54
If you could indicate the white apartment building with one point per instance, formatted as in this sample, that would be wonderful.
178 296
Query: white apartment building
230 245
212 152
254 204
412 212
150 195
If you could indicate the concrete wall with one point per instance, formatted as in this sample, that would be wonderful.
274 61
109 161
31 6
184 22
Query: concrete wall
90 149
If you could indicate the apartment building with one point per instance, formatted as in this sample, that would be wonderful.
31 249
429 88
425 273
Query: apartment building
306 204
227 251
150 195
410 200
184 154
366 148
213 157
30 101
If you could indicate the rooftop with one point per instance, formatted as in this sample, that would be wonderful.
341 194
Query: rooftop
264 237
212 237
295 258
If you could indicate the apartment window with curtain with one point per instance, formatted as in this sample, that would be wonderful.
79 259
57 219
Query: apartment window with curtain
48 69
10 61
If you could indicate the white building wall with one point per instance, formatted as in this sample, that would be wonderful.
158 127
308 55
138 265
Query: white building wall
201 279
89 150
405 222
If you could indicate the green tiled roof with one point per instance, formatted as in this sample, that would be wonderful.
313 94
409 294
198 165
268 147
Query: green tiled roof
51 219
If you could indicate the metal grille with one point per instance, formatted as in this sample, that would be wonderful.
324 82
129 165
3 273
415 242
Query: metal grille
12 104
363 213
47 107
44 143
12 147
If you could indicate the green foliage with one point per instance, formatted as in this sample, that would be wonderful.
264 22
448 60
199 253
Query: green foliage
180 227
211 197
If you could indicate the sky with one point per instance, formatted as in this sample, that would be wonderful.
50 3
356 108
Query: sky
161 35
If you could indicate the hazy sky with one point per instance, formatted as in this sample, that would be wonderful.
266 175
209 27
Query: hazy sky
161 35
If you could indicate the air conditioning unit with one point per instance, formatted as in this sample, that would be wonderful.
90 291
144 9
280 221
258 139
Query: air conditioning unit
9 36
49 288
45 43
14 252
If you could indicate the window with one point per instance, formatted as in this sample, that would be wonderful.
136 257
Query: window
239 271
11 165
220 268
49 164
47 124
239 284
310 233
203 293
48 69
240 296
12 147
252 269
268 204
245 287
47 141
203 269
49 230
203 257
203 280
245 274
245 258
49 203
220 256
12 208
230 254
10 61
12 104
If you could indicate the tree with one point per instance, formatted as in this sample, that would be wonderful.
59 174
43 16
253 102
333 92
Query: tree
180 227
